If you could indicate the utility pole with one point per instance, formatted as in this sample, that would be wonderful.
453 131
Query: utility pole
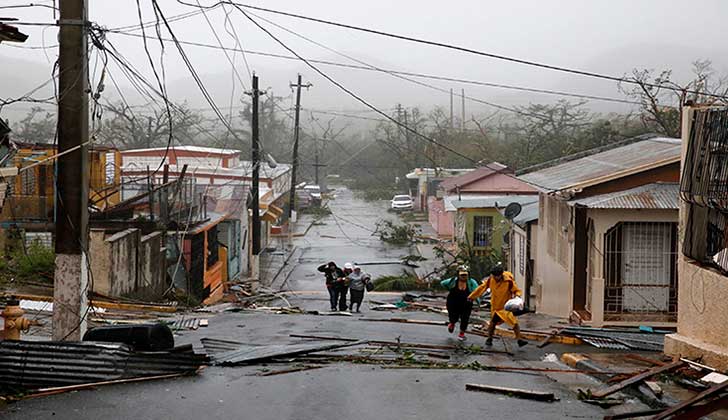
316 162
294 165
70 279
452 116
255 158
462 119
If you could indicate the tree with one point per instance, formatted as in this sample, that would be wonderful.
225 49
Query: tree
128 129
38 126
276 137
661 98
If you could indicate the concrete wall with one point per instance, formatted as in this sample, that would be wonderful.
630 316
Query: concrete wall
702 330
518 256
552 279
151 281
124 261
605 219
442 221
127 264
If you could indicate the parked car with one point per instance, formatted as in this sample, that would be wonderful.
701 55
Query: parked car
303 200
314 191
402 202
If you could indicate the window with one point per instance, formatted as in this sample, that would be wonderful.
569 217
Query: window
522 254
482 228
704 186
27 182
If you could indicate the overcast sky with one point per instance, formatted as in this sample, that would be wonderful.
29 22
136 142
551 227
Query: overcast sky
609 37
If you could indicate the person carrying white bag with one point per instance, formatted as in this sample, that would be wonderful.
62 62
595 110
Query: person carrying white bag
505 298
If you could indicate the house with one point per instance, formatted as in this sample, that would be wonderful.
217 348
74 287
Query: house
480 224
423 183
702 262
31 198
490 181
223 182
523 245
607 231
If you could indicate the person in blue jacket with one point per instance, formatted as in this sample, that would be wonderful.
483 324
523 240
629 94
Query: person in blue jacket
458 305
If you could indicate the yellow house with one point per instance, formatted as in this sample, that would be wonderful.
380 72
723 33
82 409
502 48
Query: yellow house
31 194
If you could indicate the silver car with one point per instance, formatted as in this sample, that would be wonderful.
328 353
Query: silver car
402 202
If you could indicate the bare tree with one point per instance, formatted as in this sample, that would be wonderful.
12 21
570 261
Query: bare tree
661 98
128 129
38 126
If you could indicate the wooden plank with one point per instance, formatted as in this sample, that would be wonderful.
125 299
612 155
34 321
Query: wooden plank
100 303
637 379
639 358
633 414
515 392
292 370
323 337
708 393
406 321
545 342
61 389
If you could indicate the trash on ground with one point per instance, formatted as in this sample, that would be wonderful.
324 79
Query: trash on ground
514 392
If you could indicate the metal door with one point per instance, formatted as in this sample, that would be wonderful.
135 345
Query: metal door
646 257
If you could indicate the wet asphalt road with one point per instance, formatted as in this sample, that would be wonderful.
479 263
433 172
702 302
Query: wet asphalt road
339 390
345 236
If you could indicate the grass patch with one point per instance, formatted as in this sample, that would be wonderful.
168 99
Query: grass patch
37 263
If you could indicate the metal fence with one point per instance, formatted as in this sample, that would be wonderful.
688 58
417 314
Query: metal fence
640 269
704 186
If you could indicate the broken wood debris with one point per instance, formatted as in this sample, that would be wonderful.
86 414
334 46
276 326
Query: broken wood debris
247 354
291 370
637 379
515 392
713 397
406 321
44 392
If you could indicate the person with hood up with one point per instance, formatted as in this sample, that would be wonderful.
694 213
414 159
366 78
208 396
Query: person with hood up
502 289
333 274
458 305
357 285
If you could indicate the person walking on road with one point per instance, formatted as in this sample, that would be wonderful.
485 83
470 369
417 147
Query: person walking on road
458 305
341 287
357 284
333 274
502 289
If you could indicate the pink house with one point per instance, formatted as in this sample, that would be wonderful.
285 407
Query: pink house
493 179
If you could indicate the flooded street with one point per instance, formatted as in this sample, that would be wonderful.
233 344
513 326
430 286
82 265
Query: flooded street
346 235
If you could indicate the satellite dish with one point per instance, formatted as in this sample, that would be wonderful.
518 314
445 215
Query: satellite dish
512 210
271 161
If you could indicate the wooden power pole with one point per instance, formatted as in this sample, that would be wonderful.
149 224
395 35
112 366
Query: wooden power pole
294 164
255 157
70 280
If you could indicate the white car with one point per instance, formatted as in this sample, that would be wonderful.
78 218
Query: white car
402 202
314 191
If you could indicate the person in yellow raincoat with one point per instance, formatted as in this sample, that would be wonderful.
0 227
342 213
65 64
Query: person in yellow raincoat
502 289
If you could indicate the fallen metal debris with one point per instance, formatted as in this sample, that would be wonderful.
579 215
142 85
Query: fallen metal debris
247 354
515 392
292 370
713 398
214 345
32 365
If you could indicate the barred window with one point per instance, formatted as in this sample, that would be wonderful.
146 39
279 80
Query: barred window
482 228
704 186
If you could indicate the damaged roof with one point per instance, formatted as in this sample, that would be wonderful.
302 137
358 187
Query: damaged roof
490 202
627 158
659 195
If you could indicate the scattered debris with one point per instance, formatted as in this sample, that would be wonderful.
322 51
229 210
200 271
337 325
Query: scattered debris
713 399
637 379
407 321
246 354
292 370
26 363
618 339
515 392
715 378
44 392
655 388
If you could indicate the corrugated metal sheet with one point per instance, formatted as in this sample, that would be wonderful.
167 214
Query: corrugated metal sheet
31 365
490 202
651 196
250 354
602 343
627 339
566 172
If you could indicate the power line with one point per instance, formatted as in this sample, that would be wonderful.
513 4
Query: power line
409 73
355 96
473 51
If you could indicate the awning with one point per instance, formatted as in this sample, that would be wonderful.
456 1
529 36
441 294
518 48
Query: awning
272 213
